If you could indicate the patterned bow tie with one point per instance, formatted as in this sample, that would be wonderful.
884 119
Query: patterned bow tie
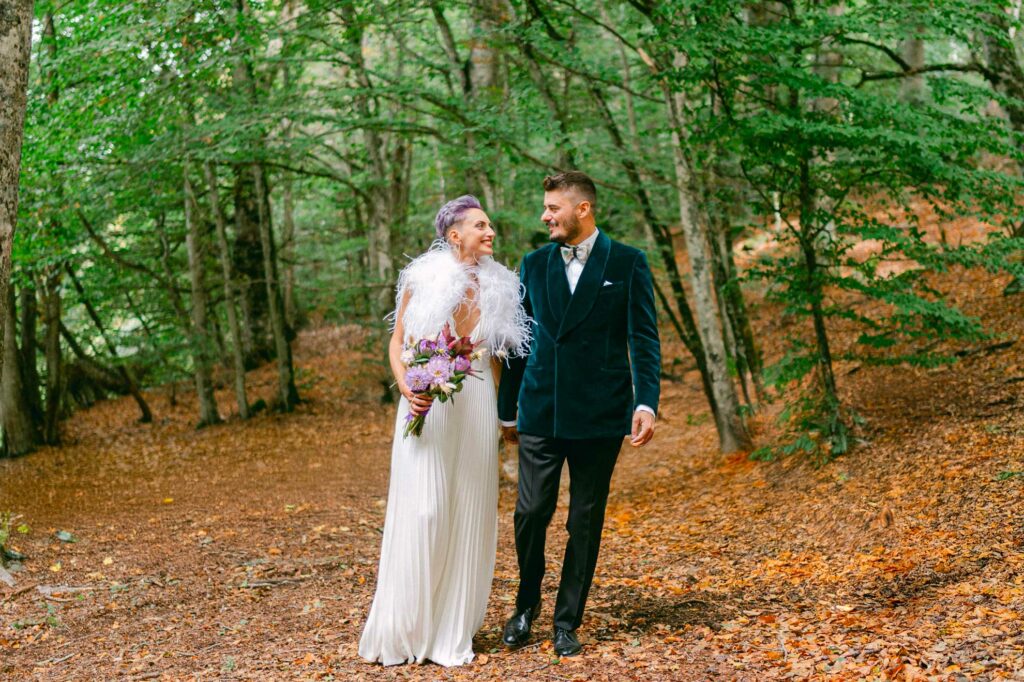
580 253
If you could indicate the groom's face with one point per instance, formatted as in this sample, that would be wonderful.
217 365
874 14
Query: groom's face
560 215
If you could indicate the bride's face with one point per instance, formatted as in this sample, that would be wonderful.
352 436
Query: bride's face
473 235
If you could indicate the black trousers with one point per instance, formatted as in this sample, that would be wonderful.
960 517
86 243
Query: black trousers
591 463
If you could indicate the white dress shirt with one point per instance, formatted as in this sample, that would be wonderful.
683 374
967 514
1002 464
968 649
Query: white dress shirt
573 270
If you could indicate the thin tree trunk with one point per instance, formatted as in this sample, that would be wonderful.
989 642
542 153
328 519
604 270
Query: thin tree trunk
51 283
200 342
912 88
256 330
736 308
292 312
828 63
15 46
29 348
732 307
289 394
734 351
379 220
20 433
237 351
54 359
1007 77
813 284
248 267
732 431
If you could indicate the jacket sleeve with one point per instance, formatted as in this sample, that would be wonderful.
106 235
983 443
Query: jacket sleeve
512 372
644 345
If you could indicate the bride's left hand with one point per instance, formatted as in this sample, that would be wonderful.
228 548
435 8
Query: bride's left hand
419 403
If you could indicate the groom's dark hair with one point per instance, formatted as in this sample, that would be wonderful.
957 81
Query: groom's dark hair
576 180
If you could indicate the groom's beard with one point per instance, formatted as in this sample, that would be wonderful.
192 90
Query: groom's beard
571 225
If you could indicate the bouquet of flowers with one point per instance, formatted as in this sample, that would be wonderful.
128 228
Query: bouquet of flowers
437 367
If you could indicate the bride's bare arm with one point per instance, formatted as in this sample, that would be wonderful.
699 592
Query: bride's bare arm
418 402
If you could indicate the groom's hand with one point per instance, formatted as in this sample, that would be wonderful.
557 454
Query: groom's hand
510 435
643 428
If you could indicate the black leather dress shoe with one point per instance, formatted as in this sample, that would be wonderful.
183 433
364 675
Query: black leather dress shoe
565 642
517 628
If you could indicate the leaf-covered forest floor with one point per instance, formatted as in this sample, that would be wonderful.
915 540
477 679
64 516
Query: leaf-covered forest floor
248 550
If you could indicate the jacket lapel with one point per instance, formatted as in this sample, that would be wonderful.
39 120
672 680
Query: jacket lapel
558 288
586 289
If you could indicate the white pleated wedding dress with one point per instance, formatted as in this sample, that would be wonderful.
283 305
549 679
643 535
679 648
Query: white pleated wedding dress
440 532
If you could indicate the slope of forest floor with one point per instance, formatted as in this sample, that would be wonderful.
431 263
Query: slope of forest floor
248 550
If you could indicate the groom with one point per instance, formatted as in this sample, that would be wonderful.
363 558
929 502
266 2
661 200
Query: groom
591 378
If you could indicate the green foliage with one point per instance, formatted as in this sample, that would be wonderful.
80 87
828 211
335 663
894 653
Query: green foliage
848 162
816 427
373 119
5 528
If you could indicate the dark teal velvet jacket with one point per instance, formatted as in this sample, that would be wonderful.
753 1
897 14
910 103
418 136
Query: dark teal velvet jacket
595 353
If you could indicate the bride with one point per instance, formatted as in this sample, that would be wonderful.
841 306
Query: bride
440 530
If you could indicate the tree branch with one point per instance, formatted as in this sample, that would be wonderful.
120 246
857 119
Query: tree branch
113 255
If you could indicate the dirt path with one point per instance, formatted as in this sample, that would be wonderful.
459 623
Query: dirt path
248 551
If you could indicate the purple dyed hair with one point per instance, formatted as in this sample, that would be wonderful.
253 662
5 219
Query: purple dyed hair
452 213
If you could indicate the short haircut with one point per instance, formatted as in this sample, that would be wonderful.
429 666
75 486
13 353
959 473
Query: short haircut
452 213
576 180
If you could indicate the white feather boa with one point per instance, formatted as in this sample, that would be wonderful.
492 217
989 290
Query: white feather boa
437 283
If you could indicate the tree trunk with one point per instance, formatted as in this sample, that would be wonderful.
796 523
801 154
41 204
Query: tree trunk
813 284
20 433
237 353
719 198
289 394
380 248
200 342
29 348
15 45
912 89
732 431
292 312
51 283
748 353
1007 77
248 260
54 359
734 351
248 269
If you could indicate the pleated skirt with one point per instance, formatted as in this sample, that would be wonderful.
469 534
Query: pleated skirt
440 533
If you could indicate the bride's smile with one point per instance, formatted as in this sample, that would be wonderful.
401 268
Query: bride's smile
473 235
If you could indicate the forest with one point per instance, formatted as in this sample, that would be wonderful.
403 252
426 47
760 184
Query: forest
204 207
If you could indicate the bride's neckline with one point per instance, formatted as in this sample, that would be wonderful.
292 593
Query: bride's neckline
472 332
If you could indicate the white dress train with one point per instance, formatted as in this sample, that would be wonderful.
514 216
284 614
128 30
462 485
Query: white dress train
440 532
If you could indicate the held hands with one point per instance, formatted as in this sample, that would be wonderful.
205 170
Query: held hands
643 428
510 435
